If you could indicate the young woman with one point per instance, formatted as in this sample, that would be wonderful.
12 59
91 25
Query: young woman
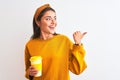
59 54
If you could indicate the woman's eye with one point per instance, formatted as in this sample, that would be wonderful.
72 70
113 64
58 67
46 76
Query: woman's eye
48 19
55 18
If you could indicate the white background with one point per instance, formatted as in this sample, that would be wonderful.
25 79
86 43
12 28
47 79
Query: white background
100 18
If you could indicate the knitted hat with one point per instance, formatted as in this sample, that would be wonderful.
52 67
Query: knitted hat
39 10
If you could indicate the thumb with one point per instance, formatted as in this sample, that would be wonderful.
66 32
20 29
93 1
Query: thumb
84 33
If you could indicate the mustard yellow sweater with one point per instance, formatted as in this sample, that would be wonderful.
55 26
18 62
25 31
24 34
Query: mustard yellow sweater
59 55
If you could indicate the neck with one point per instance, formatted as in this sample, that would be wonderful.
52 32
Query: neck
46 36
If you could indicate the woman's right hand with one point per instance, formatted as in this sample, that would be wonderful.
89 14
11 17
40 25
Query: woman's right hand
33 71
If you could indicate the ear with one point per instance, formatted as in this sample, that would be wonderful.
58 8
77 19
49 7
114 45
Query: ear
38 23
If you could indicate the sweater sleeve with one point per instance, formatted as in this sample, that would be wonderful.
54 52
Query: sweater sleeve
77 63
27 62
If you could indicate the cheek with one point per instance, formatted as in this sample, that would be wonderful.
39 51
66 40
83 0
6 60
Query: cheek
43 24
55 24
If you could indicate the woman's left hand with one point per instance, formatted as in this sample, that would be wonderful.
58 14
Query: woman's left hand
77 36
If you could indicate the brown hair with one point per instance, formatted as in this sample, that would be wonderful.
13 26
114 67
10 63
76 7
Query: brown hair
37 17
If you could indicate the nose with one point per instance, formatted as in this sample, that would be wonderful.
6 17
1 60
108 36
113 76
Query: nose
53 21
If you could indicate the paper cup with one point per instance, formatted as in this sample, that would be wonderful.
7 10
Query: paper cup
36 61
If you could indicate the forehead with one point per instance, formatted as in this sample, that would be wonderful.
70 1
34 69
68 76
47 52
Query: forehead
50 13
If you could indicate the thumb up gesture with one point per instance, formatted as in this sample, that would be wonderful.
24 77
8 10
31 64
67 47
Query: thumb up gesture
77 36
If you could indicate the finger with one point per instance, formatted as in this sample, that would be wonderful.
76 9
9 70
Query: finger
77 32
33 72
84 33
31 67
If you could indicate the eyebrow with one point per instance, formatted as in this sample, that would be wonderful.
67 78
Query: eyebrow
49 16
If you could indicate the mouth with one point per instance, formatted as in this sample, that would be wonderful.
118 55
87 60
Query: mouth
51 27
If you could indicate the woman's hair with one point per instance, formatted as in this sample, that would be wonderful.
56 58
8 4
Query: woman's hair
36 28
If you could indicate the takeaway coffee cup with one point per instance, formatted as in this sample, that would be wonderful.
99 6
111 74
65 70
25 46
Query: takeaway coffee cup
36 61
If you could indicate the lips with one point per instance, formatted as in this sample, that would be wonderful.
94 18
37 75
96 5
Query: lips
52 27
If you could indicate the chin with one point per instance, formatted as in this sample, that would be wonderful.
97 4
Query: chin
52 32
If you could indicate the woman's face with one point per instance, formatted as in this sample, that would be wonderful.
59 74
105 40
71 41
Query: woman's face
48 22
